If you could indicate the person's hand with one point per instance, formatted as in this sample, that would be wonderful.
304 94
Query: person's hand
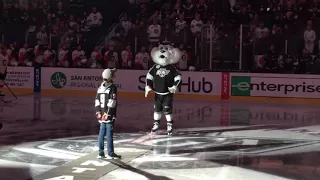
104 117
98 115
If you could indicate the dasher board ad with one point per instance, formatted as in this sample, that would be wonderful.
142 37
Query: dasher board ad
305 87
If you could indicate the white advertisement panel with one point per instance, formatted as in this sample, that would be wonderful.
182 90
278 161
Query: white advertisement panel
20 77
285 87
87 79
127 80
274 85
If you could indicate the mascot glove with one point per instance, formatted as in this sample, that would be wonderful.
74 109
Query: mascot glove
173 89
147 90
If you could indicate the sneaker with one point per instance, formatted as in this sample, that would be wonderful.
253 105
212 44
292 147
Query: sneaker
101 157
155 127
114 156
169 129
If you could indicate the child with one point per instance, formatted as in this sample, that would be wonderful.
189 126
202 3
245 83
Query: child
106 108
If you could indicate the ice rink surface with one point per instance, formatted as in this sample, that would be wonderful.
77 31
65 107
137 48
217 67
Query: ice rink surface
55 137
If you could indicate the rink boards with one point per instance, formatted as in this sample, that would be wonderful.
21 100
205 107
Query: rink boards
207 85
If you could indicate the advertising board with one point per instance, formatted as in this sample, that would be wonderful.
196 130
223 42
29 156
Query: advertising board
127 80
264 85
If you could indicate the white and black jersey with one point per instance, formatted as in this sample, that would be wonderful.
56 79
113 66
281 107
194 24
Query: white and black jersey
106 100
160 78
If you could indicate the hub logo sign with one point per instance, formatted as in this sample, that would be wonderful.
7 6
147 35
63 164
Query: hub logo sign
194 83
275 87
58 80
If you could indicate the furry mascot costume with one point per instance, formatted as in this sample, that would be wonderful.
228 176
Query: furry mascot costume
163 78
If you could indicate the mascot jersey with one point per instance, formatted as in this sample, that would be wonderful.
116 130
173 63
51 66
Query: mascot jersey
161 77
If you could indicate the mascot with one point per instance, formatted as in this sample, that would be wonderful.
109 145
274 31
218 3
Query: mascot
163 78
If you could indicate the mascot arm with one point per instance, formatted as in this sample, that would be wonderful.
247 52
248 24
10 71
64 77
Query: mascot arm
177 77
149 77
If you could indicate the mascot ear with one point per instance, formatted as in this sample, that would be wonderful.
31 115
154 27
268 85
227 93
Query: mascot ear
175 56
153 54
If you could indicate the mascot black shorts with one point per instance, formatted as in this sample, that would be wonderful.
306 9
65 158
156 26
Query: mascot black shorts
163 103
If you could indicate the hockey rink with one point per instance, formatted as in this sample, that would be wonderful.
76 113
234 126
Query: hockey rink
213 140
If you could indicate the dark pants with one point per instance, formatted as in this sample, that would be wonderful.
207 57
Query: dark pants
163 103
106 129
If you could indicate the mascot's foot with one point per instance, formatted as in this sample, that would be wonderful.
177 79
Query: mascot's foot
155 128
169 129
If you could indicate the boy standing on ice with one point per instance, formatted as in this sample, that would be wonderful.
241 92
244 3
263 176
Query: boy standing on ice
106 112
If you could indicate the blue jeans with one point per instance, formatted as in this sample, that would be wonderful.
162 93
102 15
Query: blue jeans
106 129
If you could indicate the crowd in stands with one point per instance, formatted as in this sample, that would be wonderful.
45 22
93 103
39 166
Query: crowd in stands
278 35
48 32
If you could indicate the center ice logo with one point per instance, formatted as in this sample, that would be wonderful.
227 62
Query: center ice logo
240 86
58 80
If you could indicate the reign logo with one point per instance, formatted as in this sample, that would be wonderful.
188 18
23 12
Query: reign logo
162 72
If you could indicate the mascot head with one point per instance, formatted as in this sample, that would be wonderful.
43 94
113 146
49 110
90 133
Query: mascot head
165 54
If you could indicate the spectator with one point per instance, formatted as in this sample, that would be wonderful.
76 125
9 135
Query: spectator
111 57
154 32
63 56
309 38
185 58
127 57
126 24
181 24
71 23
79 57
96 58
142 59
202 8
42 36
196 25
60 13
262 31
95 18
49 57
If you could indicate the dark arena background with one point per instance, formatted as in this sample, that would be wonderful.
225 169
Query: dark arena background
248 106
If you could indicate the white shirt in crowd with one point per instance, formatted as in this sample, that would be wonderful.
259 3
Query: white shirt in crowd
127 58
43 38
78 55
309 36
262 32
126 26
143 58
112 59
94 19
154 32
48 57
63 58
183 63
180 25
196 26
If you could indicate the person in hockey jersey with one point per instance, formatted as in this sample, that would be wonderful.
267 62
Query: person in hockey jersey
24 55
184 63
49 56
111 57
79 57
63 56
142 59
106 112
163 78
38 55
127 58
96 58
3 68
